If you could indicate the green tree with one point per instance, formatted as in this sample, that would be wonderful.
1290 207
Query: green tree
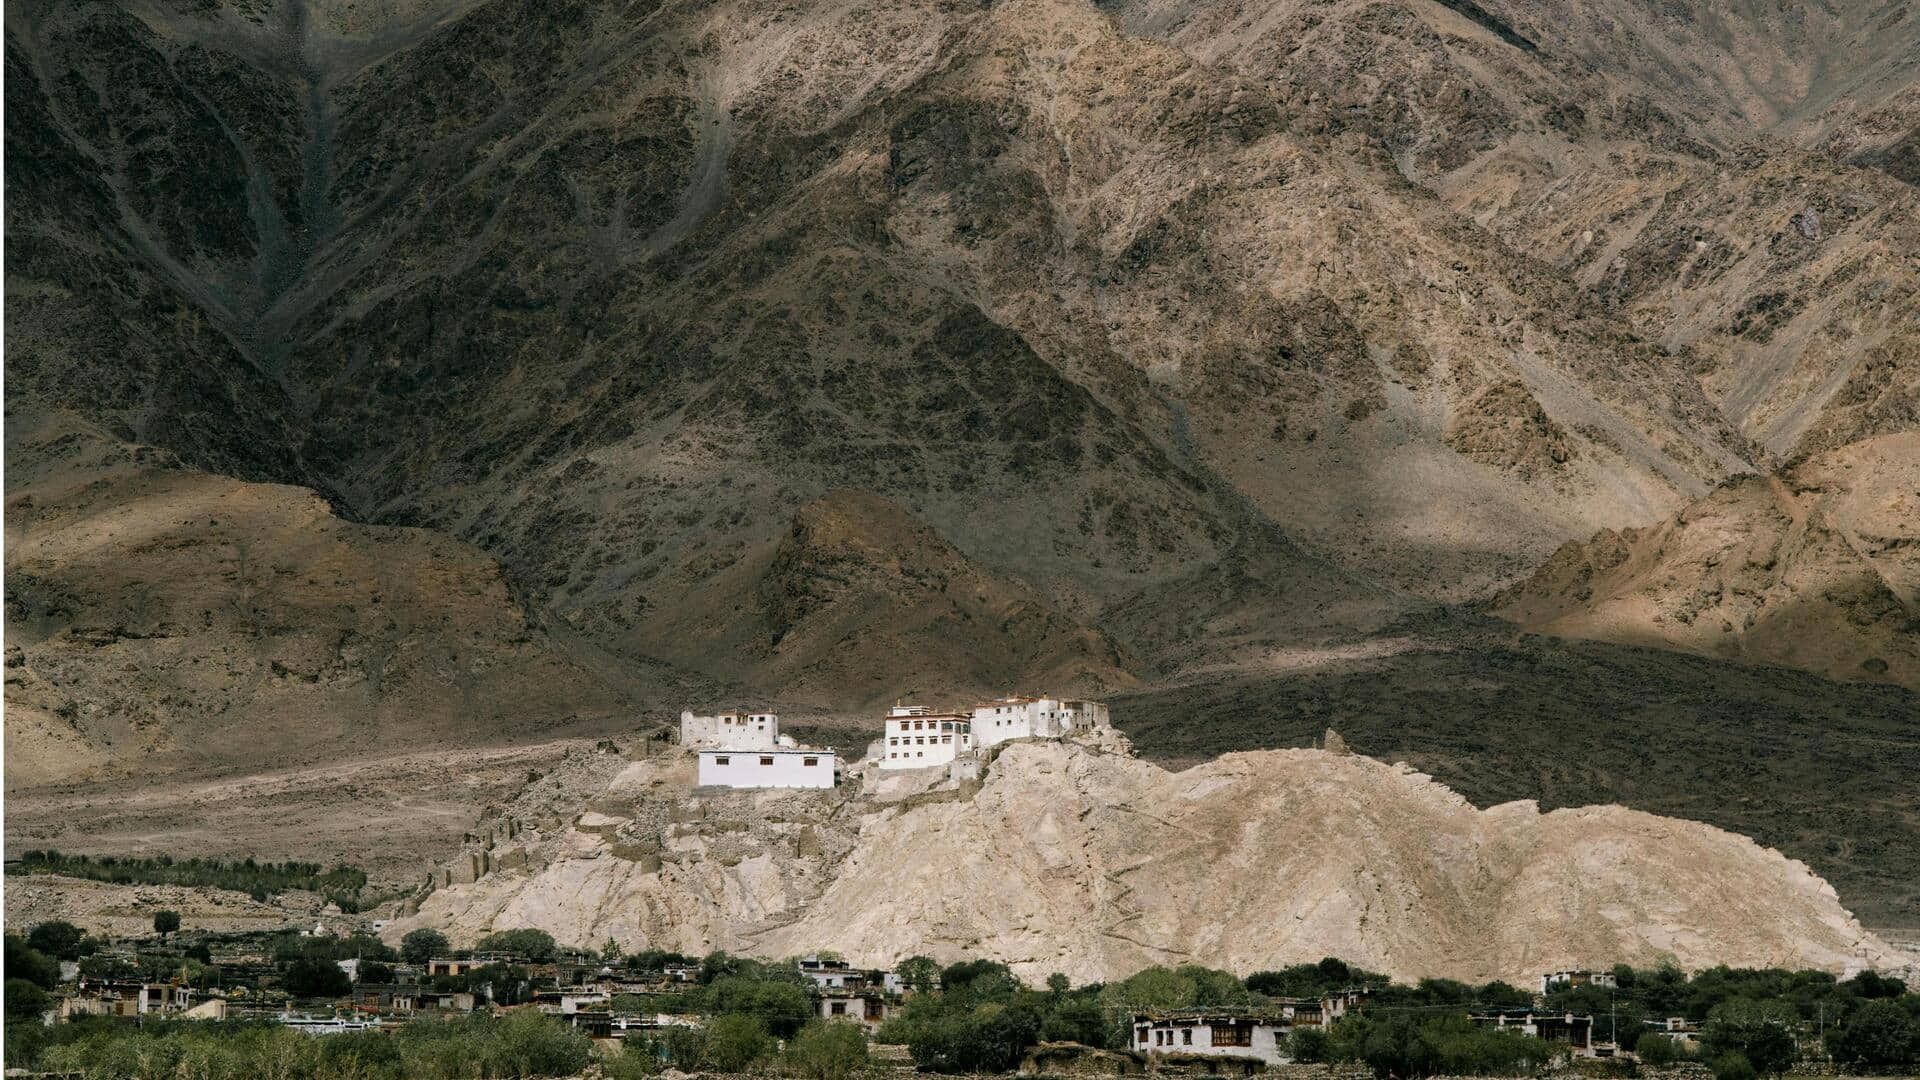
310 977
1878 1035
1307 1045
23 961
782 1008
25 1000
375 971
422 945
1759 1033
920 973
165 922
1733 1065
1058 984
536 945
827 1051
734 1042
58 939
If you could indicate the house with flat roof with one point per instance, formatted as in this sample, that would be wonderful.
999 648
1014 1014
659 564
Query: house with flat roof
769 767
919 738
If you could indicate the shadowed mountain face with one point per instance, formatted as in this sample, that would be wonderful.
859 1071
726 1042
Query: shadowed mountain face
761 345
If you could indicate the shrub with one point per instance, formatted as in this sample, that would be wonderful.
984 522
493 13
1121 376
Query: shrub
30 964
536 945
1659 1050
733 1042
1307 1045
25 1000
1733 1065
165 922
827 1051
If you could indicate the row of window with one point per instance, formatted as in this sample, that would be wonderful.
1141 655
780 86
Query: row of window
920 740
807 762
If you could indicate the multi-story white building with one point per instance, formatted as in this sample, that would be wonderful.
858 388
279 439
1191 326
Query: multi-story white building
919 738
1033 717
769 767
736 731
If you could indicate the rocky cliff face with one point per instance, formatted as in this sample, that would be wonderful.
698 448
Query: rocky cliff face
1093 863
1814 568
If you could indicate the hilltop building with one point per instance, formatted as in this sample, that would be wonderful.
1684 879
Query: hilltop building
732 731
916 737
779 767
746 750
1034 718
919 738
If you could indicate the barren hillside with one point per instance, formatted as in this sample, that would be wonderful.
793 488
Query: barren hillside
1093 863
1814 568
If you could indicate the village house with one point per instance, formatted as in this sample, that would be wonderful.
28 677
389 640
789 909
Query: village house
1211 1034
919 738
1559 980
1575 1031
828 974
865 1007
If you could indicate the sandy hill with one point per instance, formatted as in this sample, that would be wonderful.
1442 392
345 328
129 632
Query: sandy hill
1094 863
1817 567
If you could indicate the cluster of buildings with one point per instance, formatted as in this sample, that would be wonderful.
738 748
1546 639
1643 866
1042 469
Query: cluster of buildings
1258 1037
746 750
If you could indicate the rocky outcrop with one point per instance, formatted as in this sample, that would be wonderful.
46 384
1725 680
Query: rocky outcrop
1066 858
1816 568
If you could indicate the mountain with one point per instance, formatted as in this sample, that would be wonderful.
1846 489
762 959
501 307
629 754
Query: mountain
1814 567
820 354
1093 863
163 619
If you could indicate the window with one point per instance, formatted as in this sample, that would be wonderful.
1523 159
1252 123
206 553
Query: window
810 762
1186 1036
723 761
839 1008
766 761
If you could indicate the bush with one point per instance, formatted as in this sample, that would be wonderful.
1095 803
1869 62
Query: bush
165 922
374 971
422 945
1733 1065
987 1039
733 1042
637 1059
1307 1045
827 1051
1659 1050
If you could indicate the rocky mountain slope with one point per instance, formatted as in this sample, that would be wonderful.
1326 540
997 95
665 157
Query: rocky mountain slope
161 618
1815 568
752 349
1090 862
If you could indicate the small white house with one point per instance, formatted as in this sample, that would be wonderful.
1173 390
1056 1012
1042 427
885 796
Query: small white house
1221 1035
770 767
919 738
1034 718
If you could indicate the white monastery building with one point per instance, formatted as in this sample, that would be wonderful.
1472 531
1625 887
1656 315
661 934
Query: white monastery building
1034 718
746 750
734 731
780 767
919 738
